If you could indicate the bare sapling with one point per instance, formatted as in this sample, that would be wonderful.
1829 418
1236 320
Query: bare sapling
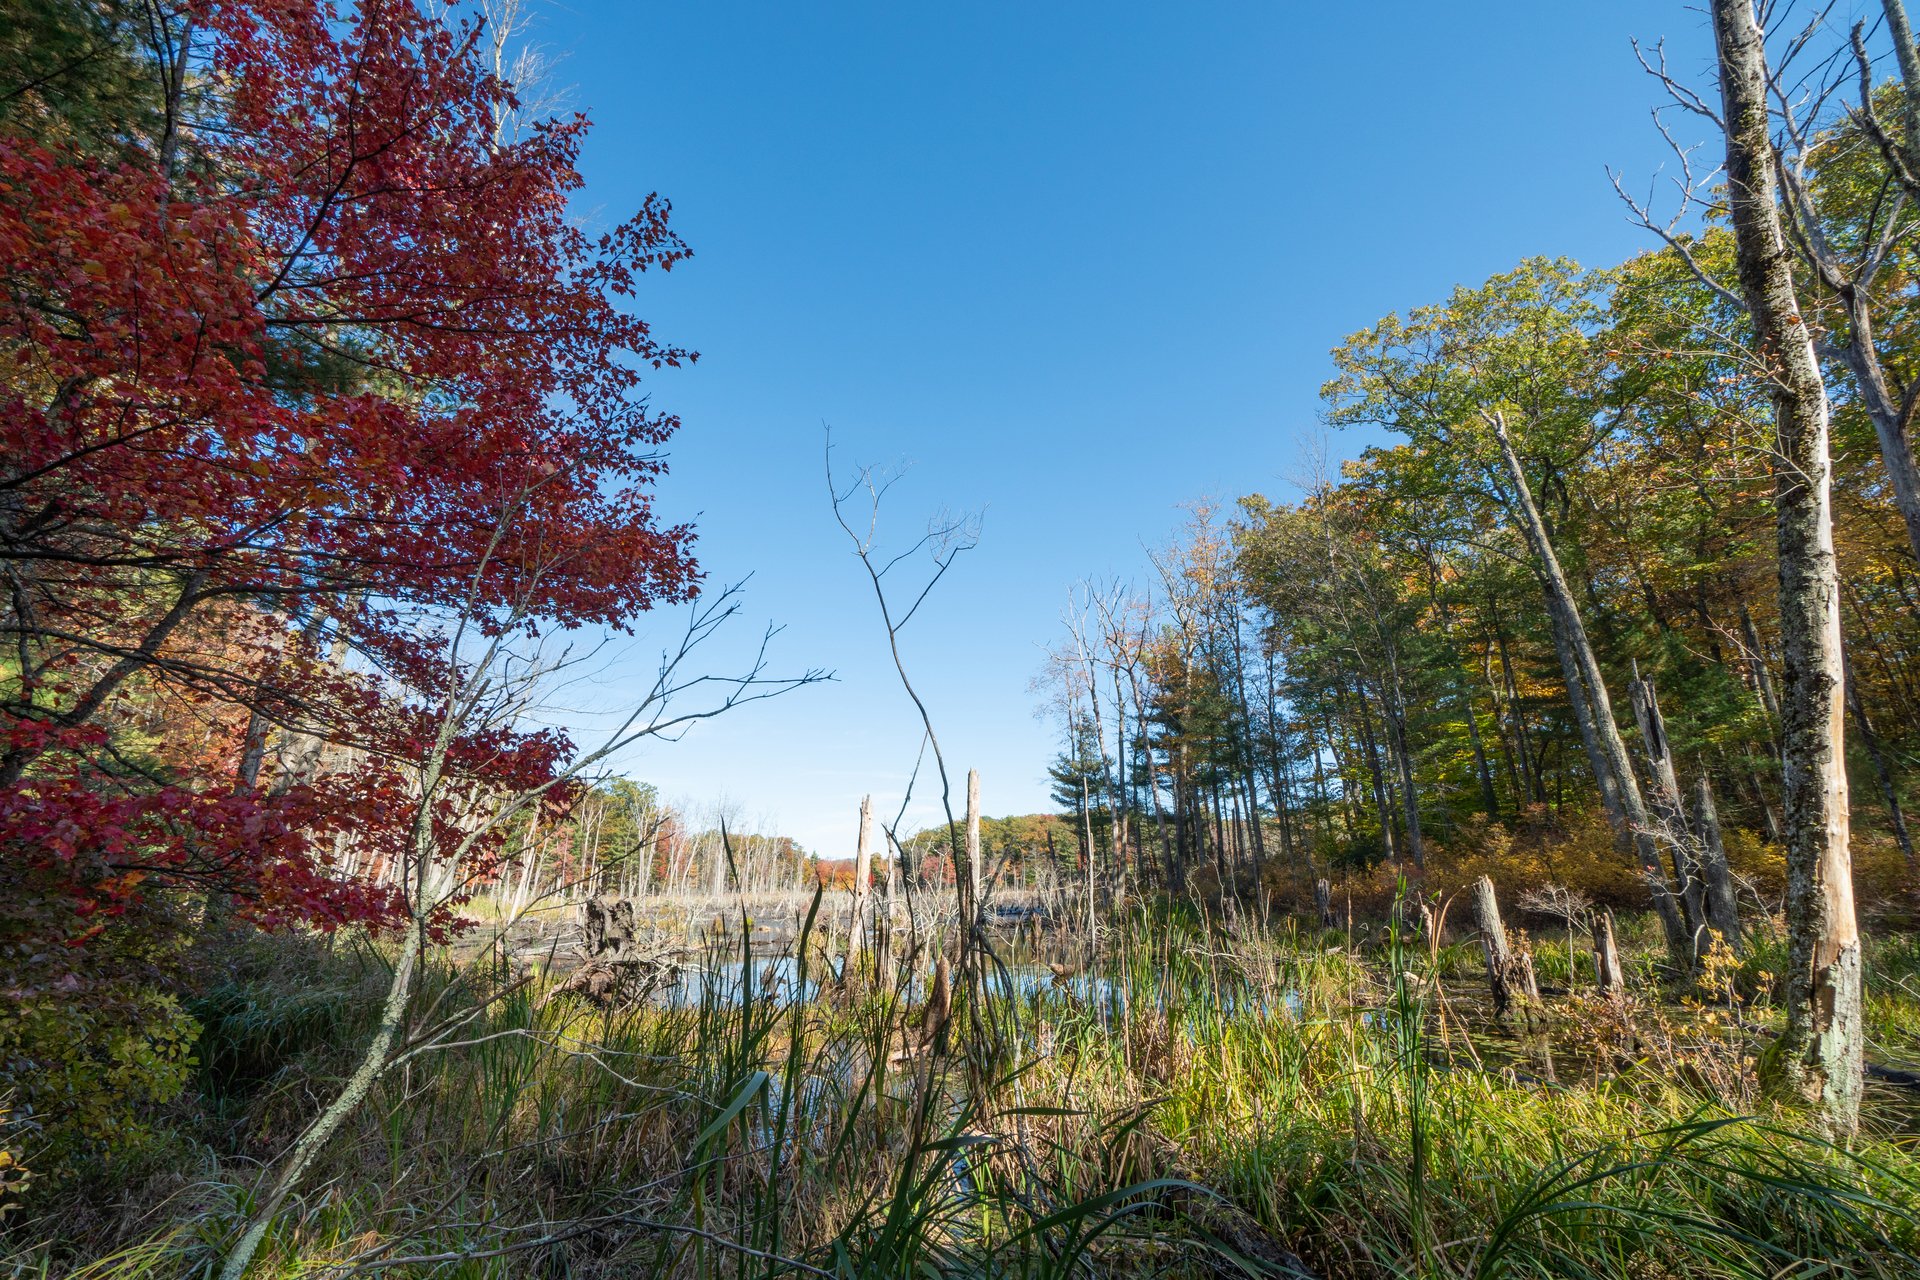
945 540
488 683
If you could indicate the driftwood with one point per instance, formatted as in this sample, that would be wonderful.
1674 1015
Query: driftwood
613 986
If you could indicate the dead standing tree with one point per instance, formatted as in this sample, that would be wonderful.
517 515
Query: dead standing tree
1699 854
1587 691
944 541
863 925
975 878
1606 958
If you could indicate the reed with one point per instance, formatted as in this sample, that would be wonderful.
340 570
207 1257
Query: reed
1201 1098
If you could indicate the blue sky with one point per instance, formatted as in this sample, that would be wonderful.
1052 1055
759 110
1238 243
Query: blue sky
1074 266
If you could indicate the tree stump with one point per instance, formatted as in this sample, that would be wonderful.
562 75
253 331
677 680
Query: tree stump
1510 975
861 925
1524 977
1493 944
1606 958
613 972
607 928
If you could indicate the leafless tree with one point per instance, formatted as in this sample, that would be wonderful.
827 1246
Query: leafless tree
488 681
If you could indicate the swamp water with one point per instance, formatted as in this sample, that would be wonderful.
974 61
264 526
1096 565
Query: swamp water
1553 1053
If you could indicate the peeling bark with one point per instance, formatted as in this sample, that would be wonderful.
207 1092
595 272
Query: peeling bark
1818 1058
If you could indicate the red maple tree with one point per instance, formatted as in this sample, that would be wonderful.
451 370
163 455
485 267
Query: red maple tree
319 356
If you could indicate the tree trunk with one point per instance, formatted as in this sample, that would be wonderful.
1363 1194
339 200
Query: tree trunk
883 933
1818 1057
973 839
1493 944
862 884
1757 665
307 1148
1901 32
1464 688
1086 835
1397 738
1250 785
1534 787
1382 797
1890 421
1108 776
1181 851
1323 902
1315 753
1122 797
1489 802
1667 806
1723 913
1582 704
1164 837
1606 958
1583 669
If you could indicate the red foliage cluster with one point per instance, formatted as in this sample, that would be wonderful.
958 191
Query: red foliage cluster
328 356
834 873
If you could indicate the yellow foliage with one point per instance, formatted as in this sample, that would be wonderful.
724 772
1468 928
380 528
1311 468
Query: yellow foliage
1582 855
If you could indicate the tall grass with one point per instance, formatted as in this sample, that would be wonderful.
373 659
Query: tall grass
1204 1098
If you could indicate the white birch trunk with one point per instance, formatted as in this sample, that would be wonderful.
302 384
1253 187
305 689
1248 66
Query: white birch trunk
1819 1057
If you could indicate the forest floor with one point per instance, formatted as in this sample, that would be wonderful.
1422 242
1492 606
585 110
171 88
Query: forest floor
1189 1100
